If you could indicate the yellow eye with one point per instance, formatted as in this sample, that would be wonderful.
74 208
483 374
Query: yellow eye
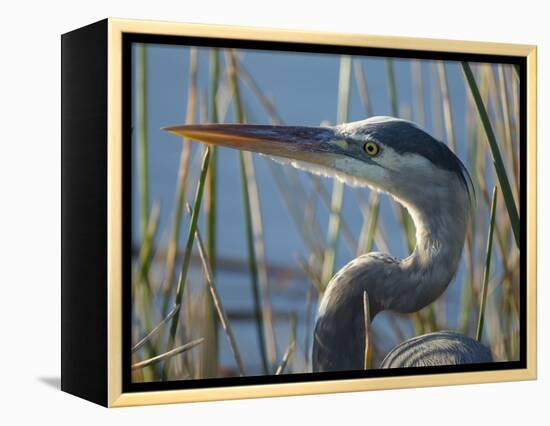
371 148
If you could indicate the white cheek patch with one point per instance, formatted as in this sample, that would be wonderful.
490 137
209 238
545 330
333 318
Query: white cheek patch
315 169
359 173
347 170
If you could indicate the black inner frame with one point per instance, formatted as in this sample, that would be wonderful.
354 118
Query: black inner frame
127 104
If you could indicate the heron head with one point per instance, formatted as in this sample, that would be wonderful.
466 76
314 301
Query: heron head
385 153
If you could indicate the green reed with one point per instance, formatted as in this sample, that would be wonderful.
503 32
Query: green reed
210 206
167 355
446 104
210 355
487 270
368 231
147 234
142 141
189 245
366 325
183 171
218 304
246 172
495 152
338 187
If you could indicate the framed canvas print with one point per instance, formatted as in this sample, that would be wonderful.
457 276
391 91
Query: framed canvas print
250 212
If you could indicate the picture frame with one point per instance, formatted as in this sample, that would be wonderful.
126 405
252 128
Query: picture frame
99 122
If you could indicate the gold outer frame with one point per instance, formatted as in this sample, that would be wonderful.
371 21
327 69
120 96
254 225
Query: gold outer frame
116 398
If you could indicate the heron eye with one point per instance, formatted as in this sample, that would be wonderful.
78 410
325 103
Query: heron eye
371 148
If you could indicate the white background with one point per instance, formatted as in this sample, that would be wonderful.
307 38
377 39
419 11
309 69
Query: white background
30 211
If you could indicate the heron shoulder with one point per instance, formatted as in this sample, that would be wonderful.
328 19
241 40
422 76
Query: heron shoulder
438 348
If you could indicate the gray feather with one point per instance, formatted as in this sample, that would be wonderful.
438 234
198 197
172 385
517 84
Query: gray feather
439 348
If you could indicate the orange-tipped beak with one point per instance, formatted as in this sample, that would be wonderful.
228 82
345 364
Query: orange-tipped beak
294 142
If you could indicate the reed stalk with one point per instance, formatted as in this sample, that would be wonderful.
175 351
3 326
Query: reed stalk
325 197
307 326
155 330
285 362
146 249
189 245
516 69
487 270
287 190
211 195
495 152
369 226
472 153
362 88
210 354
247 174
257 221
292 205
337 198
143 185
446 104
435 100
249 80
418 92
392 87
218 304
183 171
507 123
142 136
286 357
292 338
167 355
263 279
514 107
366 325
144 290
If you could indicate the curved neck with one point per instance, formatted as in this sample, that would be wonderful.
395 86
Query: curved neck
405 285
409 284
425 274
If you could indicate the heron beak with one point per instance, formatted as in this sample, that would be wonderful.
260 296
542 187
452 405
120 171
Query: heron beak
311 144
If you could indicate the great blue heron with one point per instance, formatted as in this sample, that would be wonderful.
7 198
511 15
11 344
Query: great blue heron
396 157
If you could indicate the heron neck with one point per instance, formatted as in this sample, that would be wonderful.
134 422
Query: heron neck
425 274
404 286
409 284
